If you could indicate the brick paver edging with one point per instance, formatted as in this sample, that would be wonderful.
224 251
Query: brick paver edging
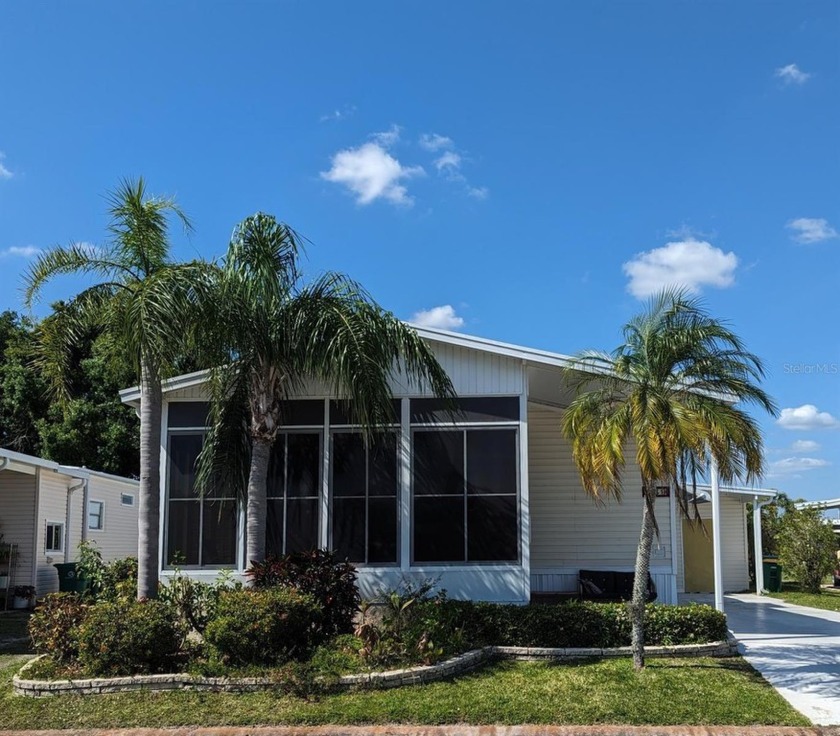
392 678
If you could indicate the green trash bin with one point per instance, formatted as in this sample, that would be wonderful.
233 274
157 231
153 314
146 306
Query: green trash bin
772 575
68 578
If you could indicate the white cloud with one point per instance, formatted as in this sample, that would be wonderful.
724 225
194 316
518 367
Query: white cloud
4 172
806 417
371 173
792 74
805 446
338 113
434 142
690 264
21 251
478 192
808 230
387 138
790 465
443 317
449 162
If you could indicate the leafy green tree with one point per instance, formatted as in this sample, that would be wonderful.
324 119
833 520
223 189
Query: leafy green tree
270 332
144 302
807 547
23 398
670 394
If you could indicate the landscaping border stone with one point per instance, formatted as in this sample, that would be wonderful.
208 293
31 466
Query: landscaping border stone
457 665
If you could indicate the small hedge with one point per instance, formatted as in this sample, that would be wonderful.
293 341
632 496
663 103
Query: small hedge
573 624
264 627
320 573
129 638
53 627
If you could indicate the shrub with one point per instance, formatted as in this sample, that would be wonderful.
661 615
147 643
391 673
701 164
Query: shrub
319 573
128 638
264 627
54 625
807 547
194 602
424 629
119 580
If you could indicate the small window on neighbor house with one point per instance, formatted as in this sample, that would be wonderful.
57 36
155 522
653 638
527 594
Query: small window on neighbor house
126 499
54 537
96 511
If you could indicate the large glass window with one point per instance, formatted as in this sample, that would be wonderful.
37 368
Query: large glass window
292 505
201 531
465 495
364 496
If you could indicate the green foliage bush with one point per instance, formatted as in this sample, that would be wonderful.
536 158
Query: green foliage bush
319 573
129 638
807 547
106 581
416 627
264 627
194 602
53 627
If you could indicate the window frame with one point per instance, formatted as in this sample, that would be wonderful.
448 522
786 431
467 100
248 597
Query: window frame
463 428
124 496
357 429
53 550
166 564
101 527
285 431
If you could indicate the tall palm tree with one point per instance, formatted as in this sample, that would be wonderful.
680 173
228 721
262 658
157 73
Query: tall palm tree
673 392
275 332
143 300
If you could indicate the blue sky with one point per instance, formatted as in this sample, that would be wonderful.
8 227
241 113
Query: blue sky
527 172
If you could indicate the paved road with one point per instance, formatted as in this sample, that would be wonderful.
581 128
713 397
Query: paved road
796 649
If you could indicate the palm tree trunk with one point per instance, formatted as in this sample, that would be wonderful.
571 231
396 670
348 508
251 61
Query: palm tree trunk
148 552
256 509
640 583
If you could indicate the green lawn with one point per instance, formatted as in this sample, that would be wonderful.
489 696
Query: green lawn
828 600
684 691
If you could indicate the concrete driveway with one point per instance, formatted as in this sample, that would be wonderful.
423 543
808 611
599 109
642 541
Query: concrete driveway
796 649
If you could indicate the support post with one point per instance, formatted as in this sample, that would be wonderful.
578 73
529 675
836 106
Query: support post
758 549
716 548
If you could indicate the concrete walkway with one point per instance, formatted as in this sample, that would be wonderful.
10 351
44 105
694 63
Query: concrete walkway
796 649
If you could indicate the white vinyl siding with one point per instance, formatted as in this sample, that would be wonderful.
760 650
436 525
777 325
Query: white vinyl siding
119 536
17 521
52 506
569 530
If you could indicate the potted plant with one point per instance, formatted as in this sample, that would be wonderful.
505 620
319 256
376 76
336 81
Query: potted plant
24 595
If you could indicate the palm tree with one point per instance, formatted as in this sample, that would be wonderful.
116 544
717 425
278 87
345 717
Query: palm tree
143 302
672 392
275 332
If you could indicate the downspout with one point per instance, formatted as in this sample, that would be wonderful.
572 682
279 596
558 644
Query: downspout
70 491
758 547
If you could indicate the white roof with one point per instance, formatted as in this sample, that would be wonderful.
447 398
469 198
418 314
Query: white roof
745 493
73 471
829 503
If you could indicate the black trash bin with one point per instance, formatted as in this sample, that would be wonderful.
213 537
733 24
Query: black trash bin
68 578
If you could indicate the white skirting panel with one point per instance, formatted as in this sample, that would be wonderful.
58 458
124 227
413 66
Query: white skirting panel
565 580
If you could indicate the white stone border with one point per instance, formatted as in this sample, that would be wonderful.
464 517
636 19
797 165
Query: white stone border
388 679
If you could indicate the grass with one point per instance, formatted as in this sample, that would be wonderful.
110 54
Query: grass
828 600
680 691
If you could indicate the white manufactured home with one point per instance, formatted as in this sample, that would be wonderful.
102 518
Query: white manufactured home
491 505
46 509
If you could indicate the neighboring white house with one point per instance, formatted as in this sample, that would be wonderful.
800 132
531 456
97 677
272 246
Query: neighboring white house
491 505
46 509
